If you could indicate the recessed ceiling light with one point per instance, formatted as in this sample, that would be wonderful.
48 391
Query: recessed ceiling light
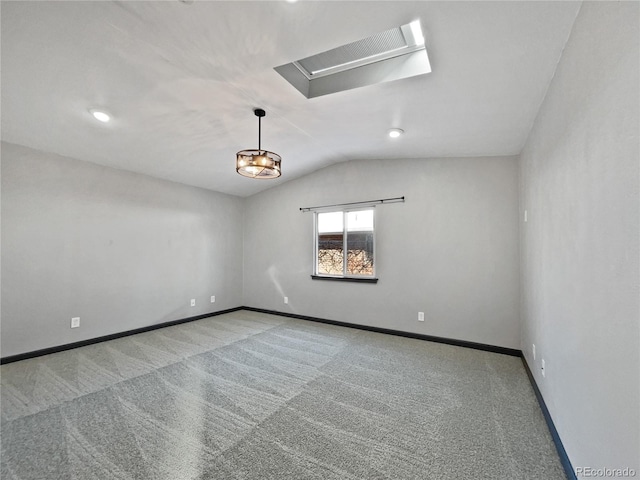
292 1
100 115
395 132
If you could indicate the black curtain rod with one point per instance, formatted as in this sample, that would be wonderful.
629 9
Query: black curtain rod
370 202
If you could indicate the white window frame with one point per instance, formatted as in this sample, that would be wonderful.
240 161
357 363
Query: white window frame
345 212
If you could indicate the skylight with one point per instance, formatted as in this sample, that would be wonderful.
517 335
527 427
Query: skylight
390 55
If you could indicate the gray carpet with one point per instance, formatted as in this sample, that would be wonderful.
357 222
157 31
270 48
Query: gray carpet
253 396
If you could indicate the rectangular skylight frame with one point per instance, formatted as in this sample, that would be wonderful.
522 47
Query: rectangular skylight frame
411 33
406 56
357 63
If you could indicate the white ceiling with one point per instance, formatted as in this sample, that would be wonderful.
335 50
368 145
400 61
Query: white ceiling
182 80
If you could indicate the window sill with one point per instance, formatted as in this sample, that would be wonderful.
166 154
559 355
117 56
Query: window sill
346 279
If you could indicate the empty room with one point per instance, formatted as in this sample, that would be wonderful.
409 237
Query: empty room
320 240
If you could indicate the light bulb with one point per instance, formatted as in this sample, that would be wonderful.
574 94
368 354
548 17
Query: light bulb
100 115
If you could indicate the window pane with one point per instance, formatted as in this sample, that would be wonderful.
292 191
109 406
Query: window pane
330 253
330 222
360 242
360 253
359 221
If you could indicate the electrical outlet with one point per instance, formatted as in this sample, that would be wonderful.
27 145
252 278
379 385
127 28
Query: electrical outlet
542 368
421 316
286 299
533 345
213 299
526 216
193 302
75 322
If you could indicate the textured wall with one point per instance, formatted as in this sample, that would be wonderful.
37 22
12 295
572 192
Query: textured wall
580 246
118 249
450 251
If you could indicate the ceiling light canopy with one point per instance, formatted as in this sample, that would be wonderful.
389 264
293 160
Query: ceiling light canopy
100 115
395 132
258 163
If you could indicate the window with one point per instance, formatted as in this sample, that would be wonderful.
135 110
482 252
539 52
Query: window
344 245
393 54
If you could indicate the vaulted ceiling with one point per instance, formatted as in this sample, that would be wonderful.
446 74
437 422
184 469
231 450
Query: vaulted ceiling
181 80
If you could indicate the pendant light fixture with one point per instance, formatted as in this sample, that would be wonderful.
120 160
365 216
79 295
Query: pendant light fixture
258 163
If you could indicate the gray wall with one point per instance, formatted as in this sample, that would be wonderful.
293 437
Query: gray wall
450 251
580 246
118 249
